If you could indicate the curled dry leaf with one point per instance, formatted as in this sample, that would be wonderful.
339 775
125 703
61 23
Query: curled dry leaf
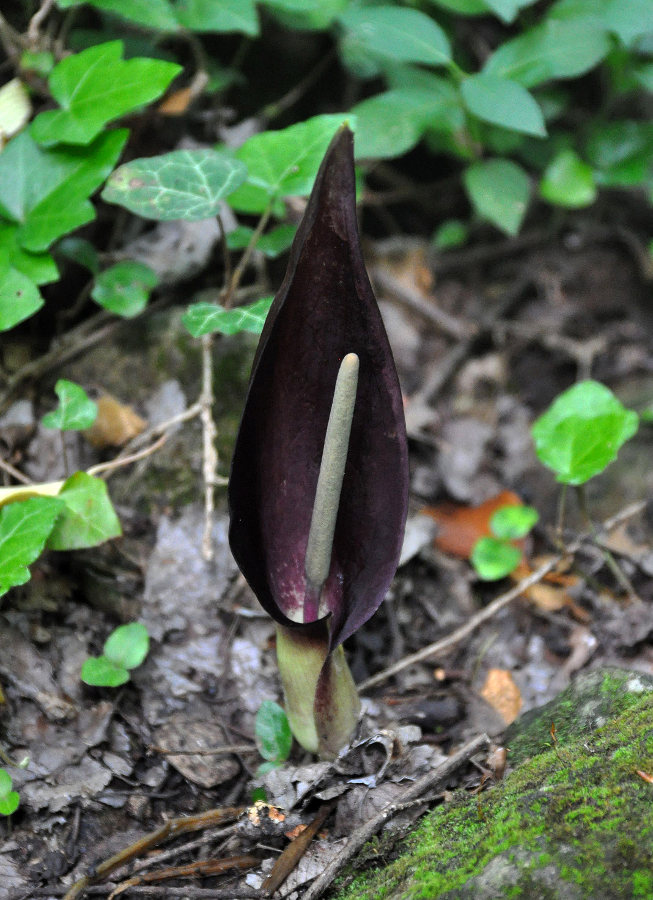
116 423
502 693
460 527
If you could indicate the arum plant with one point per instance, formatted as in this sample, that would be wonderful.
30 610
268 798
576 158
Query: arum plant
319 482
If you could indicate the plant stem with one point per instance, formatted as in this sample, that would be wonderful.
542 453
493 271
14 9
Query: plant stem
609 559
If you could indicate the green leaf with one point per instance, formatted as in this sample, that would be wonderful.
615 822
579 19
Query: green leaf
218 15
272 244
95 87
19 297
125 288
207 318
621 151
391 123
568 181
499 190
128 645
184 184
24 529
503 102
306 14
513 522
494 558
272 731
80 251
9 799
283 163
452 233
153 14
40 61
39 267
46 191
87 518
99 671
582 431
397 34
553 49
464 7
76 411
629 19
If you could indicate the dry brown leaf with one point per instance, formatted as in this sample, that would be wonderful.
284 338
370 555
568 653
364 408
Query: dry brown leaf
462 526
116 424
502 693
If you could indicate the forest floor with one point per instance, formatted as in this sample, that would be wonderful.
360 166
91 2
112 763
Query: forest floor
484 339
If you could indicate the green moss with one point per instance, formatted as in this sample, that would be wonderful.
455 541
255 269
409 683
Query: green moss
571 821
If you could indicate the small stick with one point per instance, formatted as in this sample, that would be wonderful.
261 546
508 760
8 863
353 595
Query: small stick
294 851
204 867
210 454
461 633
500 602
429 782
172 828
329 484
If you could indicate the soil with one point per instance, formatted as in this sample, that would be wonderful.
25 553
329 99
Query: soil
484 339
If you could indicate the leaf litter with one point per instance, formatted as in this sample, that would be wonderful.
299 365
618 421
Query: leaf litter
109 758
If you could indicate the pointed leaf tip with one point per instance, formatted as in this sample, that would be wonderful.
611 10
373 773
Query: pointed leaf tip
324 310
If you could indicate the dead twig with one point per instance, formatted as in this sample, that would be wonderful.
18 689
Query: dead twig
500 602
449 325
172 828
295 850
209 452
483 615
203 867
427 783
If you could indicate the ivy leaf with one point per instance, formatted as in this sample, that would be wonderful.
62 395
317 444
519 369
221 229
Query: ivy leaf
97 86
9 799
582 431
124 289
272 731
76 410
272 244
45 192
494 558
19 297
184 184
282 163
207 318
99 671
499 190
24 528
503 102
87 517
513 522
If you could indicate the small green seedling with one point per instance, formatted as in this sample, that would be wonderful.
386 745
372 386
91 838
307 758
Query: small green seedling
496 556
76 411
582 431
273 736
124 649
9 799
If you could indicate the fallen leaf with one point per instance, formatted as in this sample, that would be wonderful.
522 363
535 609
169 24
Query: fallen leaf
462 526
646 776
116 424
502 693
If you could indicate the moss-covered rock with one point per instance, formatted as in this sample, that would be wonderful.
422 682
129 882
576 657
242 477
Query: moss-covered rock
573 819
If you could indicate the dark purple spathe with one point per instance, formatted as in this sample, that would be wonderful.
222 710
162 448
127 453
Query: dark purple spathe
324 309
